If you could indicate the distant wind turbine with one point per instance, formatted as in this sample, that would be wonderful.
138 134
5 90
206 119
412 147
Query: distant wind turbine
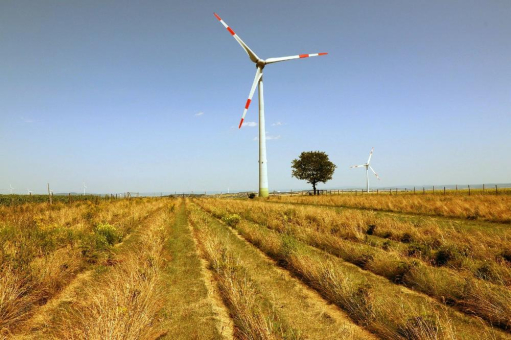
11 188
29 192
367 166
84 187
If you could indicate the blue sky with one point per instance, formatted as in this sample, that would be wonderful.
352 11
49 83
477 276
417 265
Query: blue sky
146 96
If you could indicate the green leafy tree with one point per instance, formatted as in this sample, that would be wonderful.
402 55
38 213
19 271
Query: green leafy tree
313 167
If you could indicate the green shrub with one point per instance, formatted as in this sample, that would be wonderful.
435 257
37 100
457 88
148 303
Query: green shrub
107 233
232 220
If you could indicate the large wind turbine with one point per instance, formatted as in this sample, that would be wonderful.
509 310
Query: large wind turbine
11 188
258 81
84 187
367 166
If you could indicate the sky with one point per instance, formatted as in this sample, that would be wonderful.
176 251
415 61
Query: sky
146 96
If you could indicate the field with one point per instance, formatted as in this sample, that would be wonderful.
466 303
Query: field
290 267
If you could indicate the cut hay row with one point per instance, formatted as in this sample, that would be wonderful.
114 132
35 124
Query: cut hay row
468 294
264 301
493 208
44 249
383 307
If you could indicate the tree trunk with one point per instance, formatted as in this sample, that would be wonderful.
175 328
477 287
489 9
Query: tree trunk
314 187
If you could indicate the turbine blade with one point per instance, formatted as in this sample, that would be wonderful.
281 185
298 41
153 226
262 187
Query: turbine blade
375 173
276 60
258 76
247 49
370 155
357 166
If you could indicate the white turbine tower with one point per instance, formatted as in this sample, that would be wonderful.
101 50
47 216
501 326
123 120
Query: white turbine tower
367 166
258 81
84 187
29 192
11 188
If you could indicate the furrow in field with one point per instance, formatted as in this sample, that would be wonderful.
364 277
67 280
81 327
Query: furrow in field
30 285
459 289
193 309
470 249
51 319
265 301
491 208
383 307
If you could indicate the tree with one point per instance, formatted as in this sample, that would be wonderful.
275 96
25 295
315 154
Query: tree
313 167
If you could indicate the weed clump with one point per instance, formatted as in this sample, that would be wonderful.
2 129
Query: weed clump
232 220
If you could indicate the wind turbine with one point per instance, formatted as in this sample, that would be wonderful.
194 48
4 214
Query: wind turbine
258 80
84 187
11 188
367 166
29 192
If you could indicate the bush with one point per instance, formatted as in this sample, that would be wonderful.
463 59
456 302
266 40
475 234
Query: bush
251 195
107 233
232 220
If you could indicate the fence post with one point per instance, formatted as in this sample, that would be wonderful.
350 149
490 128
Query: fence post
49 194
469 190
377 191
444 191
496 191
483 188
414 190
423 191
69 197
390 191
433 189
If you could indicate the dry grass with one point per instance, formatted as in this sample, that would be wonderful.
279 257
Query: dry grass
495 208
125 300
254 316
458 288
44 247
394 315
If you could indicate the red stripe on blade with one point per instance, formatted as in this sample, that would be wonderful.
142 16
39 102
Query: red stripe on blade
247 104
322 53
216 15
304 55
230 31
239 127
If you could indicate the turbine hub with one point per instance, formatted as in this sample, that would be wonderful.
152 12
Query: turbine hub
261 63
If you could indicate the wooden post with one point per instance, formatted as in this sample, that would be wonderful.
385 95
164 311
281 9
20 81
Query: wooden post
496 190
433 189
414 190
49 194
483 188
69 198
377 191
423 191
456 188
469 190
444 191
390 192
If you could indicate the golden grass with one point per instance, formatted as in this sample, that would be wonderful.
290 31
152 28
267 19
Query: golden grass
458 288
44 247
494 208
394 314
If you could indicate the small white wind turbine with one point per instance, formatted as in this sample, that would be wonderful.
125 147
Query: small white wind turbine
367 166
29 192
84 187
11 188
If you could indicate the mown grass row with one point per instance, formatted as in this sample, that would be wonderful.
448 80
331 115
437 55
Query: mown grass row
127 299
495 208
482 250
455 288
372 301
43 248
254 316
